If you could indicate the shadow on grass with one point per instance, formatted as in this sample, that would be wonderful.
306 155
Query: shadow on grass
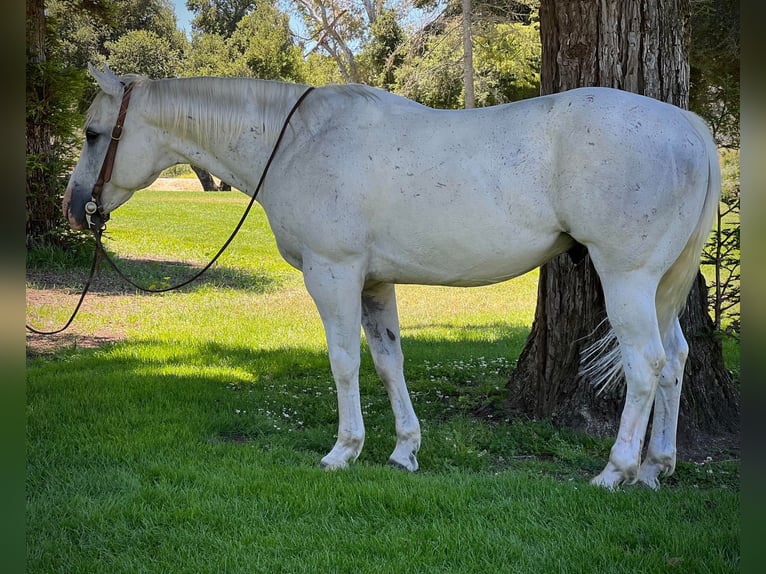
285 400
152 274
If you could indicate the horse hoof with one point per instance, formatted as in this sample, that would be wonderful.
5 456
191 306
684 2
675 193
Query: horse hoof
411 467
329 465
648 476
609 480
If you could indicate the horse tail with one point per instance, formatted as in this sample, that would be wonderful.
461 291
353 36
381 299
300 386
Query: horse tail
601 362
675 285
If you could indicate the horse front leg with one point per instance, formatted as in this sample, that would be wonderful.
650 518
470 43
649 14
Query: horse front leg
381 327
336 291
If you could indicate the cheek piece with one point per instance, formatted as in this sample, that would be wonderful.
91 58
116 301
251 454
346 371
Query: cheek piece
94 211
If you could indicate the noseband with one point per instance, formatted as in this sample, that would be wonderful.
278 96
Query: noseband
94 205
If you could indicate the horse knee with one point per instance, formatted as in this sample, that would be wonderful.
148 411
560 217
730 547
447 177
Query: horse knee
344 366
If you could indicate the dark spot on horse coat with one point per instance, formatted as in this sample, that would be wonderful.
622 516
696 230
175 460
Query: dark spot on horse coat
390 335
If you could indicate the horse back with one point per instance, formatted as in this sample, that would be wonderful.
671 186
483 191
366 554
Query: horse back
478 196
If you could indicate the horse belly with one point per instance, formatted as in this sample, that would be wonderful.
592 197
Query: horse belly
468 252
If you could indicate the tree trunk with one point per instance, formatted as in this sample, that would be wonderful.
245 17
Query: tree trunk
468 88
207 181
42 204
638 46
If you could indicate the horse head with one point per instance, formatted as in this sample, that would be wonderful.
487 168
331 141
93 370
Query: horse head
105 178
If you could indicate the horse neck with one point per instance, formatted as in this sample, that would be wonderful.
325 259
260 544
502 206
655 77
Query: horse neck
222 124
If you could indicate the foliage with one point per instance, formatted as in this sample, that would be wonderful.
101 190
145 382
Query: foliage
260 46
219 17
320 69
143 52
82 34
264 47
714 94
52 91
380 55
506 62
338 27
432 69
722 252
714 61
209 55
499 10
156 16
76 37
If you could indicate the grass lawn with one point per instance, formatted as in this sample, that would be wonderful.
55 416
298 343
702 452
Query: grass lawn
182 432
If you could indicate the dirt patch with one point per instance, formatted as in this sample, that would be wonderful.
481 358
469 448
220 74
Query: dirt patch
42 345
72 338
176 184
62 290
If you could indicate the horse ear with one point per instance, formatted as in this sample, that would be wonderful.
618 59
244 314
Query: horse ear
110 83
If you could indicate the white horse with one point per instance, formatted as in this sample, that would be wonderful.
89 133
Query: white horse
369 189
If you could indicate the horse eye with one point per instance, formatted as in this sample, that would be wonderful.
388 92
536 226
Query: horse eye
91 135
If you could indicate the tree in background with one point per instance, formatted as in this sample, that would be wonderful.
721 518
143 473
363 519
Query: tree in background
714 94
240 38
143 52
638 46
380 56
84 30
714 61
49 131
208 55
506 55
62 37
262 46
219 17
337 26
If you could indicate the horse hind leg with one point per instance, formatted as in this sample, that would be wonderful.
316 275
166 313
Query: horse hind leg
660 457
381 326
632 313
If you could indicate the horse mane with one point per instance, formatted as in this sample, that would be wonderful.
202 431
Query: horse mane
207 108
210 108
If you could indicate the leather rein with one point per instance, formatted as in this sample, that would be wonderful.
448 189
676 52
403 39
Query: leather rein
95 208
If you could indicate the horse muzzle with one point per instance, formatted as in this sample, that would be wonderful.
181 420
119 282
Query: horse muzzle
83 215
66 208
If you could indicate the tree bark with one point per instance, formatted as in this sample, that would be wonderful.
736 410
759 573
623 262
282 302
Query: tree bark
638 46
468 87
42 212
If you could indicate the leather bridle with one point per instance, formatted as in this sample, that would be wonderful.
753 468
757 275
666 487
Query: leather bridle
94 206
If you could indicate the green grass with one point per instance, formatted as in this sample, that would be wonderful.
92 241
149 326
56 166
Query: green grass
192 444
